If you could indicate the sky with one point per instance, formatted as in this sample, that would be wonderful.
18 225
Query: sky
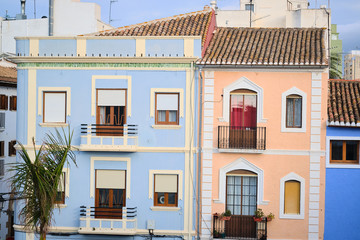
345 13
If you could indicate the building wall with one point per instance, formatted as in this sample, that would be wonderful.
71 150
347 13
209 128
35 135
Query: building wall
352 65
301 153
164 149
341 192
7 135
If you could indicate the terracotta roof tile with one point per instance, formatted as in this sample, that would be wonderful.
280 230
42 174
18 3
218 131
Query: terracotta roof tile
344 103
190 24
8 74
266 46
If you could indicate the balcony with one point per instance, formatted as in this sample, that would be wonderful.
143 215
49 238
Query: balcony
99 137
113 221
239 227
241 139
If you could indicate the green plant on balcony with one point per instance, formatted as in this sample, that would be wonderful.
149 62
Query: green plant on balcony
226 215
259 214
270 217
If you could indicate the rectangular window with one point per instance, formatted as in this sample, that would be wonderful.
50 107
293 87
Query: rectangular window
166 190
3 102
54 107
110 193
60 195
292 197
293 111
167 108
13 102
344 151
12 150
111 111
2 149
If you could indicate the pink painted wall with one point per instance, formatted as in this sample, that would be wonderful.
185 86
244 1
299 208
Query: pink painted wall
274 166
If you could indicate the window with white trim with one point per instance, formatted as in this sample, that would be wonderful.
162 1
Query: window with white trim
292 197
54 107
293 111
167 108
166 190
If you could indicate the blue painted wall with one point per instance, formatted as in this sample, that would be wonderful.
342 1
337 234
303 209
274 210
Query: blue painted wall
342 194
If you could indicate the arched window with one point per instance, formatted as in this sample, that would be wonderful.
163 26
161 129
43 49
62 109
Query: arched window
292 197
243 105
294 111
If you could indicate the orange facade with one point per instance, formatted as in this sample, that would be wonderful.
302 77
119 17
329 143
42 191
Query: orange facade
273 160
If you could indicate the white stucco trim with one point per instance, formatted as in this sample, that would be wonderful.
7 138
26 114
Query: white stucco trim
244 83
293 91
165 209
166 90
242 164
292 176
93 91
334 165
175 172
67 181
54 89
116 159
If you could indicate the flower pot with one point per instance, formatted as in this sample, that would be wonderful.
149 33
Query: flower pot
222 235
268 219
225 218
257 219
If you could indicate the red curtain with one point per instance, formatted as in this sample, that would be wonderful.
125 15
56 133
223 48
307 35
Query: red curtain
243 110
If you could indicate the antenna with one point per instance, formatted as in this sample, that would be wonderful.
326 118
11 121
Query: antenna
111 2
34 9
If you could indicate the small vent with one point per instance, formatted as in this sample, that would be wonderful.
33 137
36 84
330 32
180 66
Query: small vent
2 121
2 167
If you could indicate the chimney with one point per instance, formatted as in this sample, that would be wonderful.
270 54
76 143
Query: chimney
22 15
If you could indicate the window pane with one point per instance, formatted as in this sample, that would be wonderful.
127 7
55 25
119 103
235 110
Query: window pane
161 116
171 198
103 198
290 112
172 116
160 198
59 197
351 150
336 150
118 198
298 112
54 107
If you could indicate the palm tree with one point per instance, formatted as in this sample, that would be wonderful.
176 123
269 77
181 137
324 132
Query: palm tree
36 179
335 62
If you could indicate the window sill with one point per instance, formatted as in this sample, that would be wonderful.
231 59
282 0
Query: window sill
169 209
53 124
292 216
60 206
343 165
166 126
293 130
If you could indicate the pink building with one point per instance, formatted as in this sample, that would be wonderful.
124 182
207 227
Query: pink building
263 132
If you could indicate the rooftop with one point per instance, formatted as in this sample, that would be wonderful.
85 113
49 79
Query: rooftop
267 46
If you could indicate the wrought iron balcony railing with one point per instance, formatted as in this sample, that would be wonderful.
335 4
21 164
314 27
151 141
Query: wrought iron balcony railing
240 227
233 137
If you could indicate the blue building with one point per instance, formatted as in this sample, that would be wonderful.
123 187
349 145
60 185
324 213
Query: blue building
131 101
342 161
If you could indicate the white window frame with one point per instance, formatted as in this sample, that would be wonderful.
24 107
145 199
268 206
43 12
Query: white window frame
152 174
334 165
292 177
41 91
293 91
244 83
180 91
241 164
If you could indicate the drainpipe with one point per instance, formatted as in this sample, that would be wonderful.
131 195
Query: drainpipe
51 17
199 157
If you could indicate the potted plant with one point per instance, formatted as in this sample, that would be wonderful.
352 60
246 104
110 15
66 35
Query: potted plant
259 214
270 217
222 235
226 215
216 234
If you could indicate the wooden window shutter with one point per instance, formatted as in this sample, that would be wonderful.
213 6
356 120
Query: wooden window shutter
13 103
2 102
6 102
292 197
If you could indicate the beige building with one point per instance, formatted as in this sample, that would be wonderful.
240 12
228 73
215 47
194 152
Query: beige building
352 65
